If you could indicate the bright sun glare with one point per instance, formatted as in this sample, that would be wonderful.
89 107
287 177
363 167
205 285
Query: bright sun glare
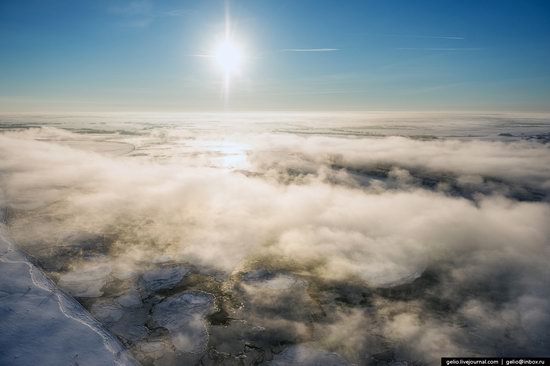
228 57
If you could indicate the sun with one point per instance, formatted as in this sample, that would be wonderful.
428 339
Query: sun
228 57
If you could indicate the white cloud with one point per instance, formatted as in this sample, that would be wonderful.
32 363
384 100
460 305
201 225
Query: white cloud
301 201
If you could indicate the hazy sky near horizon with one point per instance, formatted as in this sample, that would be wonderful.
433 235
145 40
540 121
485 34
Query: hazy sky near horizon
141 55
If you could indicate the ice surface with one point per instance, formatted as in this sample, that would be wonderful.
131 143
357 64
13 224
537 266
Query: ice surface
400 281
107 311
307 356
163 277
153 349
86 280
280 282
43 326
183 315
131 325
129 299
270 280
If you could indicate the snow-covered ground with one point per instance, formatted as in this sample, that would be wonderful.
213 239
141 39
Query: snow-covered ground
41 325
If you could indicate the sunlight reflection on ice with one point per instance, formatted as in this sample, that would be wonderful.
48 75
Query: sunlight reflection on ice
222 153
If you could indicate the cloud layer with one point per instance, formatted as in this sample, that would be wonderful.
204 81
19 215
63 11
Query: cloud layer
446 240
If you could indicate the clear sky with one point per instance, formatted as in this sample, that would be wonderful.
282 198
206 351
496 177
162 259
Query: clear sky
145 55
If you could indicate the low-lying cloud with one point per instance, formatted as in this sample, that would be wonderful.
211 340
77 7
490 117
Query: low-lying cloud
460 228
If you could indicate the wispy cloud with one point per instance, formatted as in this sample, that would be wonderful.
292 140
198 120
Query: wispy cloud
439 48
310 49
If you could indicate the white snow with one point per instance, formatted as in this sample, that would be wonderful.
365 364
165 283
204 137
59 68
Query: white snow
43 326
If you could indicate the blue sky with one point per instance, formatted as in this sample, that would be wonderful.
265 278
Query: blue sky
140 55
